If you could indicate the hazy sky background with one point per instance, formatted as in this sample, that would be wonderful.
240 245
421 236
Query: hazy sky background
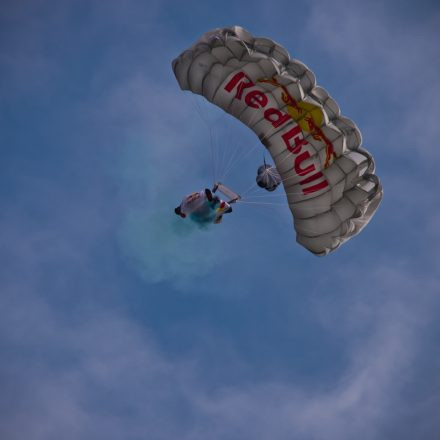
119 320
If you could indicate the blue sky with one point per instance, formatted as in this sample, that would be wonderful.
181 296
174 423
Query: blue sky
120 321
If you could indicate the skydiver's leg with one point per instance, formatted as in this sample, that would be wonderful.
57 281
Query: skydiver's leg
229 210
178 211
218 219
208 194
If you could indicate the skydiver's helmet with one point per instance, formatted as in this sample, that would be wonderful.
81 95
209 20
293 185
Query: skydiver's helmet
268 177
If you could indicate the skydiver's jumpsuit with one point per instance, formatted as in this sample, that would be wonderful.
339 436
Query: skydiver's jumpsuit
201 210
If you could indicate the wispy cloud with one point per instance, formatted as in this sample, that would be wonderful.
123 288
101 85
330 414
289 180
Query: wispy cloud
398 63
103 375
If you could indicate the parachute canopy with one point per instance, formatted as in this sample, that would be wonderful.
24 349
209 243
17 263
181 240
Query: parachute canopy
328 177
268 177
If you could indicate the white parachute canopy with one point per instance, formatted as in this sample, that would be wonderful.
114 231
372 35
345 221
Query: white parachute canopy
328 177
268 177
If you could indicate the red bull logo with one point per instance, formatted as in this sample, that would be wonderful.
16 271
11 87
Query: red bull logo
307 117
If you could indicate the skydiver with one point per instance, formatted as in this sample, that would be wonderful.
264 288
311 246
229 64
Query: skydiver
204 207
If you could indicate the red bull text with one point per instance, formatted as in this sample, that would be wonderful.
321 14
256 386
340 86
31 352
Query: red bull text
313 179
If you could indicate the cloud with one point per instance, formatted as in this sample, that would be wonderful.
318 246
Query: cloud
397 63
100 374
366 400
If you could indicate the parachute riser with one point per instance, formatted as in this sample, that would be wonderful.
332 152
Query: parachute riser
233 196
